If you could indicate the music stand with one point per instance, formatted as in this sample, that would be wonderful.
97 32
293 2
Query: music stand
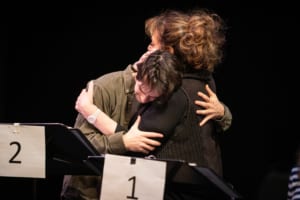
181 175
67 150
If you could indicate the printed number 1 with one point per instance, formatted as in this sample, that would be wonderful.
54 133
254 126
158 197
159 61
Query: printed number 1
133 188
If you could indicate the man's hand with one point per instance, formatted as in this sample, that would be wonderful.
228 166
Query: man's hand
212 107
84 103
140 141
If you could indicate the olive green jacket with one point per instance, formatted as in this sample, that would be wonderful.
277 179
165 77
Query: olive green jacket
116 102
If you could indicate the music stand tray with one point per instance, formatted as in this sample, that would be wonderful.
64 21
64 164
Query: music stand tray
67 150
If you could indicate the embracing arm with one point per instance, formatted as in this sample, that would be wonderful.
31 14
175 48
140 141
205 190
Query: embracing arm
136 140
107 140
86 107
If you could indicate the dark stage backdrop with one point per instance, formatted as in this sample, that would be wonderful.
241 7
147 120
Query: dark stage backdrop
49 50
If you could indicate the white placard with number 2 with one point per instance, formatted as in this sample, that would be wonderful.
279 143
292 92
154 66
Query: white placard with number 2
22 151
130 178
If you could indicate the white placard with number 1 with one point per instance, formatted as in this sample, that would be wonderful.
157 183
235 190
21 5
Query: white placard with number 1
130 178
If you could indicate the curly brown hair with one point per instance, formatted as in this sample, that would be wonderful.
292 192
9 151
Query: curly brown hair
196 37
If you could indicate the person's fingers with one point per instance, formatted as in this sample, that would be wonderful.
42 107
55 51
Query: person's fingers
91 85
148 148
137 121
201 103
78 98
203 96
209 91
152 143
203 121
152 135
90 90
202 112
145 151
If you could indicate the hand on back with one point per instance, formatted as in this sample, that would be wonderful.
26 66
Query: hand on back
212 108
140 141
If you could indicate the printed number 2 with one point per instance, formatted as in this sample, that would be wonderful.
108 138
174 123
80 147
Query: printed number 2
133 188
12 160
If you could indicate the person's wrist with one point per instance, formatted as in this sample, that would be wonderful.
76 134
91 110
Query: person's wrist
92 118
125 141
221 117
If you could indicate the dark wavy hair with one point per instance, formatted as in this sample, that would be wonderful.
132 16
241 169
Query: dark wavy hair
161 71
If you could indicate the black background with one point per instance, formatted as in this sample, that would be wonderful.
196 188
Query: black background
49 50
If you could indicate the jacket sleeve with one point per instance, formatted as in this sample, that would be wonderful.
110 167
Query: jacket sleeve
104 144
225 122
103 99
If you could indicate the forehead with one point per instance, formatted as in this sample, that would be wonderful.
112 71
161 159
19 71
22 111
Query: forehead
145 88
